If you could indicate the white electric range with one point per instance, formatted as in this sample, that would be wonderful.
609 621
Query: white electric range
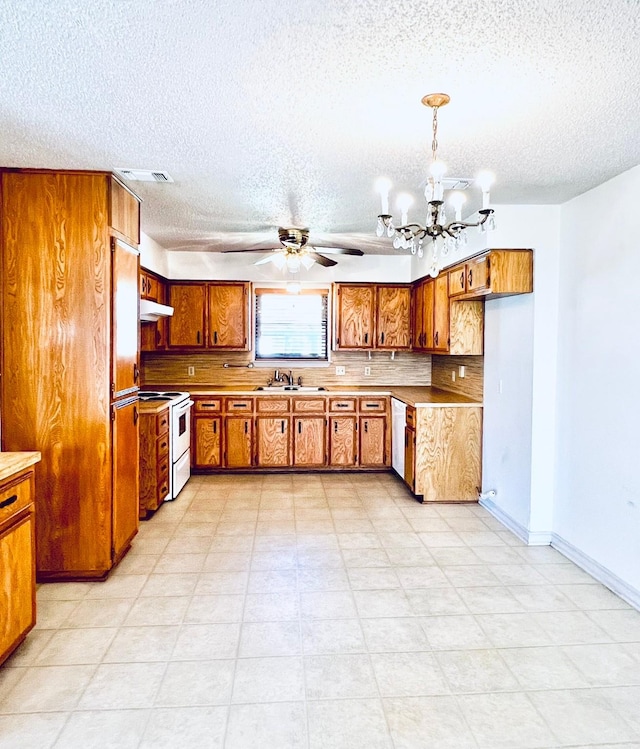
179 436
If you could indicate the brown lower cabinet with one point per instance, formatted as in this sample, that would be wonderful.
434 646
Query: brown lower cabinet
17 556
280 432
154 460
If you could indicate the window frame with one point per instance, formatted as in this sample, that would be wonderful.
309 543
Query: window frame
298 362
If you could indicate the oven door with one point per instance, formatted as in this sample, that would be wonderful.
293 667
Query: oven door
180 429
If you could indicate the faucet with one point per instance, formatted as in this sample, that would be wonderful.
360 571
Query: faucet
290 378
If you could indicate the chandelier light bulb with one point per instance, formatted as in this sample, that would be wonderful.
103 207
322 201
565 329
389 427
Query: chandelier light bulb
437 169
404 201
383 186
457 200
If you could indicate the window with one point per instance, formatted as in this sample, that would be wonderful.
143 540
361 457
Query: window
291 326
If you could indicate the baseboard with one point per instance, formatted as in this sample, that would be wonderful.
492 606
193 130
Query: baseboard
585 562
597 571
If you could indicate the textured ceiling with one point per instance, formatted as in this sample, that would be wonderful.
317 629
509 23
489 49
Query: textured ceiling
285 111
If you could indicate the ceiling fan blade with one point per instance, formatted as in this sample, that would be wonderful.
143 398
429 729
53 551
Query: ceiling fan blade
338 250
321 260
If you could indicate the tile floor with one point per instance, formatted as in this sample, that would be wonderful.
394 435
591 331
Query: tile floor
326 611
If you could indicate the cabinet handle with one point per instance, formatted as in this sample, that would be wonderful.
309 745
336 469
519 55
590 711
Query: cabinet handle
198 337
435 338
282 426
382 338
335 427
470 276
215 336
371 405
8 501
406 440
342 405
208 405
135 414
246 427
299 427
164 444
366 426
239 405
462 280
215 427
158 337
136 373
366 338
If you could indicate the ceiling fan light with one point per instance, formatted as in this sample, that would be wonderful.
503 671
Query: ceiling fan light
307 261
293 263
279 260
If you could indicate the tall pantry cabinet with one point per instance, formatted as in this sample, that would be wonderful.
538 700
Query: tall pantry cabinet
69 386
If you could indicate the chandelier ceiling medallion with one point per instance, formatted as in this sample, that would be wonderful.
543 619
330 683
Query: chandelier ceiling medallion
410 236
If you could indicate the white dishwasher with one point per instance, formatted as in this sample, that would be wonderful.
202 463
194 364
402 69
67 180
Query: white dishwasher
398 419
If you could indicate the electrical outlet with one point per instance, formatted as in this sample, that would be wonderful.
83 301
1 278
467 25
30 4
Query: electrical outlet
367 371
340 370
461 372
191 371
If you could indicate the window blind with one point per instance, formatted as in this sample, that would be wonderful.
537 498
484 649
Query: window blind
291 326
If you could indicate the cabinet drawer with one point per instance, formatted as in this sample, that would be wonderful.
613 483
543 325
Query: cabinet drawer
239 404
14 497
411 417
373 405
343 405
273 405
163 486
309 405
162 447
162 422
210 404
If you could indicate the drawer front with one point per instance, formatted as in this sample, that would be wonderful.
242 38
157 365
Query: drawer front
162 422
342 405
163 486
15 496
373 405
209 404
309 405
162 449
235 405
273 405
411 417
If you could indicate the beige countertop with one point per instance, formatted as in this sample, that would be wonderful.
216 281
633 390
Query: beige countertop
153 407
417 396
11 463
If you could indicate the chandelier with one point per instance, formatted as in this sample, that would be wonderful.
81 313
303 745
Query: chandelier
411 236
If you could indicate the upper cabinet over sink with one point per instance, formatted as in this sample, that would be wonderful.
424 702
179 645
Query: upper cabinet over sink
372 316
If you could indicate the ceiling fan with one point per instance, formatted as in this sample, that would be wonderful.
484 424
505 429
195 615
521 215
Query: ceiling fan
296 251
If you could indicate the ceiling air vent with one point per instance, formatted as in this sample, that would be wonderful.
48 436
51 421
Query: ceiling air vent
144 175
456 183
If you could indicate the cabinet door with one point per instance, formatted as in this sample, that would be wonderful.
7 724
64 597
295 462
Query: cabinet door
228 316
124 508
124 212
410 457
272 441
238 434
393 310
417 318
372 441
457 280
478 274
124 332
187 325
441 313
309 438
207 453
18 583
342 441
428 300
354 328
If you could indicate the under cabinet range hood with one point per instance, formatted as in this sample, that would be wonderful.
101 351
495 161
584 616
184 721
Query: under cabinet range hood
152 311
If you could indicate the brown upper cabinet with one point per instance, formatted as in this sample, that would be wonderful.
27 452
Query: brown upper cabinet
209 315
124 213
492 274
372 316
153 335
431 315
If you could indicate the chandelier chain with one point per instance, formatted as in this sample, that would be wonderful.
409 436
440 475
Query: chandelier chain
434 142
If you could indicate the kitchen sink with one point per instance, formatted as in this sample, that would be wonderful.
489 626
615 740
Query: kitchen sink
288 388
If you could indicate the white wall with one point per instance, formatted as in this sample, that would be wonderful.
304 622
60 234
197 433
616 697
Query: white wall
598 485
153 256
240 266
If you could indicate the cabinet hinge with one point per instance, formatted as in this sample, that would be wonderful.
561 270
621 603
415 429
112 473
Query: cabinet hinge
113 414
